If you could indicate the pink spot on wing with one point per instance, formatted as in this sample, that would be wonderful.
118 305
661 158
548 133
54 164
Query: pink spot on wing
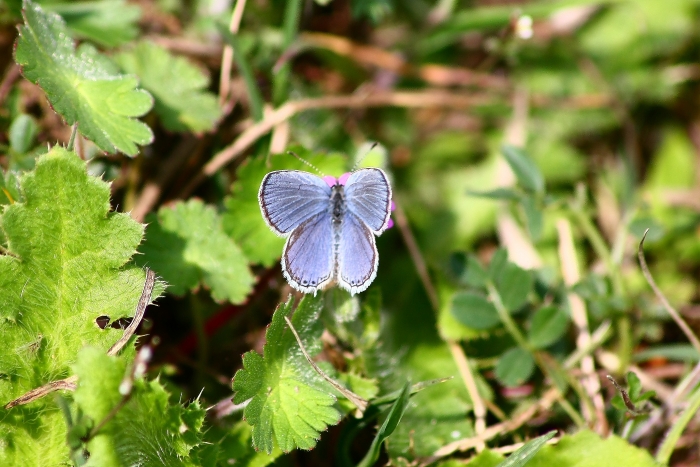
331 181
344 178
390 224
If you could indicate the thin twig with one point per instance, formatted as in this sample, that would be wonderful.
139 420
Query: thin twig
465 371
227 57
671 311
416 256
138 315
70 382
431 98
37 393
359 402
571 275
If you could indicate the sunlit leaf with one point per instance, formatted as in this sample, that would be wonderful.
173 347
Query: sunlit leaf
82 85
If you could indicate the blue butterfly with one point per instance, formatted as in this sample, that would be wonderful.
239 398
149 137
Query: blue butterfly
329 224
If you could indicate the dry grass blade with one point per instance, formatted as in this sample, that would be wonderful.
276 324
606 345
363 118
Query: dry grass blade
662 298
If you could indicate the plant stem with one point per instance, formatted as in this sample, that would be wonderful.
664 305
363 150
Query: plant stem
73 133
674 434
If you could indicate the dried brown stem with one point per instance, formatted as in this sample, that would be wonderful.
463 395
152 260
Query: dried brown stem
431 98
70 382
571 275
227 57
662 298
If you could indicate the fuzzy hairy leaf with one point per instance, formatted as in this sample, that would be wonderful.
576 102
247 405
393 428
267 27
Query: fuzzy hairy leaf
291 404
81 84
186 245
181 99
147 431
243 220
65 267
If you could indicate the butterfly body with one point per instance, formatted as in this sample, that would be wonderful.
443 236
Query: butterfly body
329 224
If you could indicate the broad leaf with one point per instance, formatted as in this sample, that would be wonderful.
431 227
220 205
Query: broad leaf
243 220
179 88
147 431
291 404
514 285
186 245
525 170
514 367
548 325
584 449
65 268
81 84
474 311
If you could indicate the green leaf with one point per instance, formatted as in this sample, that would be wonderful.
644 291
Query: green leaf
526 452
243 221
390 423
586 449
514 367
498 262
179 88
147 431
467 270
525 170
548 325
82 85
66 267
109 23
533 217
291 404
474 311
22 132
186 245
498 193
514 285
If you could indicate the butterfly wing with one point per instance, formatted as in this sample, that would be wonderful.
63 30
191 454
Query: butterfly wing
308 260
368 196
357 255
289 197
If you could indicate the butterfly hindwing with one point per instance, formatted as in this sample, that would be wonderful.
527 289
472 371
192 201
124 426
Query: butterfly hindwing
290 197
368 196
308 260
357 255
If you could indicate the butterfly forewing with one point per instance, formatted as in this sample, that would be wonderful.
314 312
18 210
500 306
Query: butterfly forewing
290 197
357 255
368 196
307 259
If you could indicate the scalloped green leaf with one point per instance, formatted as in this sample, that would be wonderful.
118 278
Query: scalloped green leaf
186 245
65 267
290 403
82 85
242 219
147 431
181 99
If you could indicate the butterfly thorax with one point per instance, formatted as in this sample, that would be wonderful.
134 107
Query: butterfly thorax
337 203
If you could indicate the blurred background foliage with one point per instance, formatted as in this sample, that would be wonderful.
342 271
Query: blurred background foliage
510 130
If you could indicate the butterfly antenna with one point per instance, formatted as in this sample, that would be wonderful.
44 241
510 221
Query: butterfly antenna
306 162
359 161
